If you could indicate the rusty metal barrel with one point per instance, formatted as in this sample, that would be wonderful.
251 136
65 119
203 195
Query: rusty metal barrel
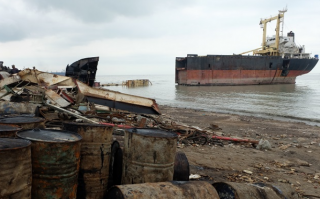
8 130
15 168
24 122
95 156
181 167
175 189
55 162
232 190
148 156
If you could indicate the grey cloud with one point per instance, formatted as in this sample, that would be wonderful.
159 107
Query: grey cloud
86 19
100 11
11 32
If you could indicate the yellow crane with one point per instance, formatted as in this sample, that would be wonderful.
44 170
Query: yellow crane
274 48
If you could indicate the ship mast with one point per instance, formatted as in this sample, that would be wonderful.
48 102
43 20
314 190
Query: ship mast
274 48
270 49
282 24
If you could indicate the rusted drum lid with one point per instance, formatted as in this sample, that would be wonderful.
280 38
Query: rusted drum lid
8 128
152 132
10 143
20 120
48 135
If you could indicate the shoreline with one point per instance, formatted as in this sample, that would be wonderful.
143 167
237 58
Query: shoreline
293 159
311 122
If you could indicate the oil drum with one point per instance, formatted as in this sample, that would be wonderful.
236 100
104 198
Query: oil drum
8 130
181 167
175 189
24 122
55 162
148 155
115 165
95 156
15 168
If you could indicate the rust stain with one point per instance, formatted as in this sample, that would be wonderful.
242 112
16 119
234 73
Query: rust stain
175 189
95 156
159 148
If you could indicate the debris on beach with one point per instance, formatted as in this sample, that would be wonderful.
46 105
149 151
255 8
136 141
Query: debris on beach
33 86
264 145
59 99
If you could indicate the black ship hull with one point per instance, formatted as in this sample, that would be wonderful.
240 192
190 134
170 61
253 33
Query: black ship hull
240 70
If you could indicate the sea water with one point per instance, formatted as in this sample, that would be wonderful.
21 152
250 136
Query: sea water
295 102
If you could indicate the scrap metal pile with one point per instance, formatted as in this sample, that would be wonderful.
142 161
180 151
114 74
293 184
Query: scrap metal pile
60 98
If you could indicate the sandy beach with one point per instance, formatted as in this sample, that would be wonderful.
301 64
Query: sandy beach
293 159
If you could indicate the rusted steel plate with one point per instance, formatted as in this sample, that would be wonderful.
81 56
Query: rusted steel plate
24 122
55 163
9 80
45 79
4 74
175 189
15 168
181 167
8 130
95 155
148 156
119 100
66 97
235 77
137 82
142 123
56 98
49 116
232 190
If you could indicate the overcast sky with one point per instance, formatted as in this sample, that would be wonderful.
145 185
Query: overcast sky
143 37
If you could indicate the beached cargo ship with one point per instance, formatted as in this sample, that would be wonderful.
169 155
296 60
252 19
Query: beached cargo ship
278 61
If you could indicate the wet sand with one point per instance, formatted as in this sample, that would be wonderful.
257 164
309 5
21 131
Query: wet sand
293 159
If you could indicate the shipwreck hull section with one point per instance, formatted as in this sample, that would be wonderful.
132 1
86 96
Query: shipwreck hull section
84 70
240 70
